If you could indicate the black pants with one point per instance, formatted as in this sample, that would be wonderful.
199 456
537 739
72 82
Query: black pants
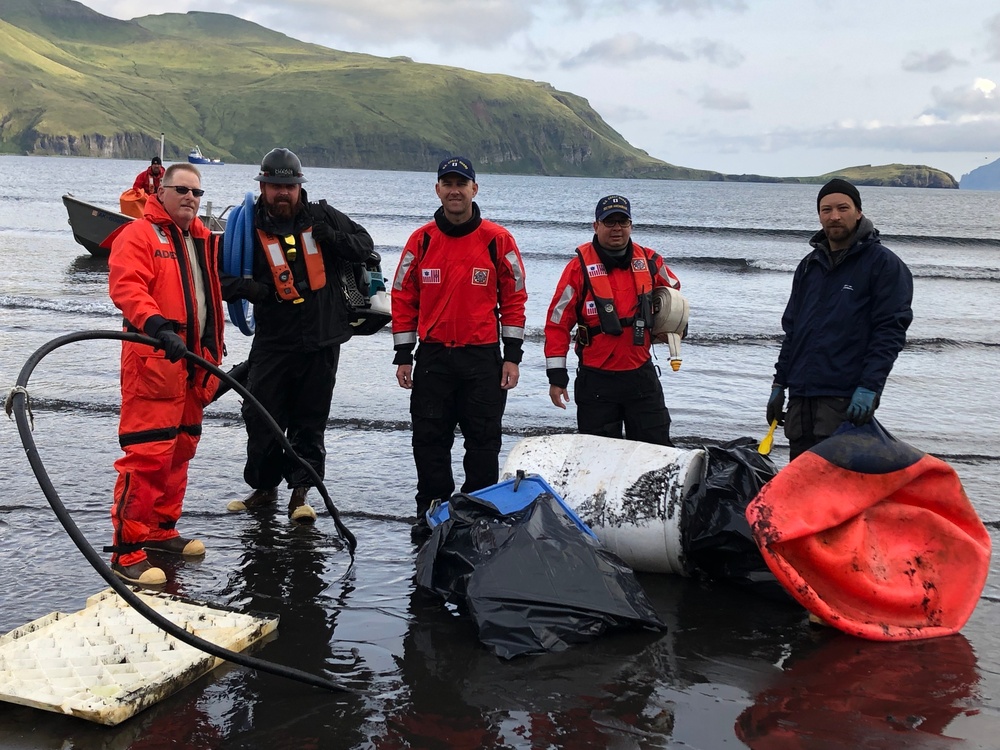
809 421
606 400
296 388
456 386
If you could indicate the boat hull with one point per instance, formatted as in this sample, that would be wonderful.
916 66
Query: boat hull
92 224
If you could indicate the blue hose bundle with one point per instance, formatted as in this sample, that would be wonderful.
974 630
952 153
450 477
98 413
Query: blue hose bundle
237 258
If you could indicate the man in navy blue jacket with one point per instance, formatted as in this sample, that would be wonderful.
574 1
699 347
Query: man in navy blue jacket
845 324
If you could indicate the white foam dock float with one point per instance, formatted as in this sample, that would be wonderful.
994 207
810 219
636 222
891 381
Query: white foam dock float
107 662
629 493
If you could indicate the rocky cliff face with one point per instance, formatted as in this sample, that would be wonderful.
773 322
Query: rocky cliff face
117 146
986 177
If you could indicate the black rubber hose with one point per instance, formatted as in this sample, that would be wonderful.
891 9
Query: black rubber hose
18 404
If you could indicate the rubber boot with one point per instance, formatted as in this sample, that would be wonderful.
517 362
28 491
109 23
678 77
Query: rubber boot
298 509
256 499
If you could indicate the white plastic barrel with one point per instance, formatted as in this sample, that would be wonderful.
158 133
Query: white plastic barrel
630 493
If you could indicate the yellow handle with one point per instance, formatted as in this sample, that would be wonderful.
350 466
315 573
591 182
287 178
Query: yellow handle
765 445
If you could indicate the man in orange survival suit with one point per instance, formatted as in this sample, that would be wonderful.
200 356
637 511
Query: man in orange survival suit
164 278
459 288
149 179
605 292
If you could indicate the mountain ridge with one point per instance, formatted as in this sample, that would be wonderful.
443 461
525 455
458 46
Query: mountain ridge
75 82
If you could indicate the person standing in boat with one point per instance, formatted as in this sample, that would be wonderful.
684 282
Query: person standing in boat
845 323
302 318
605 291
460 290
163 276
148 180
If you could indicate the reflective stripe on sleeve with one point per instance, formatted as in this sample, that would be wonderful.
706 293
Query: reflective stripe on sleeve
555 363
512 332
404 266
560 307
516 269
406 337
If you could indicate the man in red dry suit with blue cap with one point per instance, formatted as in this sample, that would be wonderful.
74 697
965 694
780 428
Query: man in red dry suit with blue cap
845 323
460 289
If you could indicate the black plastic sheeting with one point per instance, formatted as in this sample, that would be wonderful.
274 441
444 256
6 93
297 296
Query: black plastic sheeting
715 534
532 581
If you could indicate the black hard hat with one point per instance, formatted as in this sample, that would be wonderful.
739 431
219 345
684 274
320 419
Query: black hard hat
280 167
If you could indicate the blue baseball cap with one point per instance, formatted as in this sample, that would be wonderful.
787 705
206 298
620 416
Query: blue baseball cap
457 165
612 204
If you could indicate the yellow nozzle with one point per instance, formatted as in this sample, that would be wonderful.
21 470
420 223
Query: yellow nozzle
675 364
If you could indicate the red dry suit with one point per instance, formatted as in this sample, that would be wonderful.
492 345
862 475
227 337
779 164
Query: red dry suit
153 281
576 302
147 181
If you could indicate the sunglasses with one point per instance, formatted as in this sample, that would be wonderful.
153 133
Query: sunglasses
183 190
609 223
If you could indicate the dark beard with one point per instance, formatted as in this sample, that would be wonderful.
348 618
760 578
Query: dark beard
281 209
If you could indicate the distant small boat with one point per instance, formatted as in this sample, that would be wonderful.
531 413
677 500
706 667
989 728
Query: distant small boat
92 224
196 157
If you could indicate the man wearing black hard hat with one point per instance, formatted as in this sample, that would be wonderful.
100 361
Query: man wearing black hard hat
845 323
301 318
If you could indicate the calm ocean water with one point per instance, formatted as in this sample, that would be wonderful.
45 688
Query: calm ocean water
728 663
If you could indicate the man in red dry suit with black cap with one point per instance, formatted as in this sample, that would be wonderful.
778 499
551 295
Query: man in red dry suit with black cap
606 292
163 276
845 323
149 179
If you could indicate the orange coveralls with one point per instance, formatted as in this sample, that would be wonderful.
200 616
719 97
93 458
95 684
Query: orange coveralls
162 401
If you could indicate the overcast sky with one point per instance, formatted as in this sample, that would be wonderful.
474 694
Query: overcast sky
775 87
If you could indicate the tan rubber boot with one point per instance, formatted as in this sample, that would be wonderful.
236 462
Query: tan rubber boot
298 509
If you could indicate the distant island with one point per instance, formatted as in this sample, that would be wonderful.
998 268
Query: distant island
986 177
83 84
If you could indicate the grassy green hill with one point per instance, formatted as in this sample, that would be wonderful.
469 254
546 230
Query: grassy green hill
75 82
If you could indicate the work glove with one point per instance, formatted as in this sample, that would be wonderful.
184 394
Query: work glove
862 406
776 405
171 343
324 234
258 293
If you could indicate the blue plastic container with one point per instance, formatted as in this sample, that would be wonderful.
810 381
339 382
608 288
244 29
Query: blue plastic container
511 496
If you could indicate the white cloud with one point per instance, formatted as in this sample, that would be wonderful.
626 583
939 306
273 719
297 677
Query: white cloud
977 101
444 23
993 44
714 99
978 135
622 48
697 7
633 47
930 62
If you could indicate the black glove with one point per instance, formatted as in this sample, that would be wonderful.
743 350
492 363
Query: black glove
775 405
324 234
258 293
171 343
240 373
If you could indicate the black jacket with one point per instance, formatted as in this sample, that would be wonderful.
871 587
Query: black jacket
845 322
322 319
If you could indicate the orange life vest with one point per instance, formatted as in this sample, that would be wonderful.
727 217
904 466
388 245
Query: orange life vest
276 251
597 284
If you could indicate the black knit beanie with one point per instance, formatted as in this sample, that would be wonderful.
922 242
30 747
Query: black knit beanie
837 185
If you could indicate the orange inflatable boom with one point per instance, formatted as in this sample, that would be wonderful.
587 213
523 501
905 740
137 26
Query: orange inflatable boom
874 537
